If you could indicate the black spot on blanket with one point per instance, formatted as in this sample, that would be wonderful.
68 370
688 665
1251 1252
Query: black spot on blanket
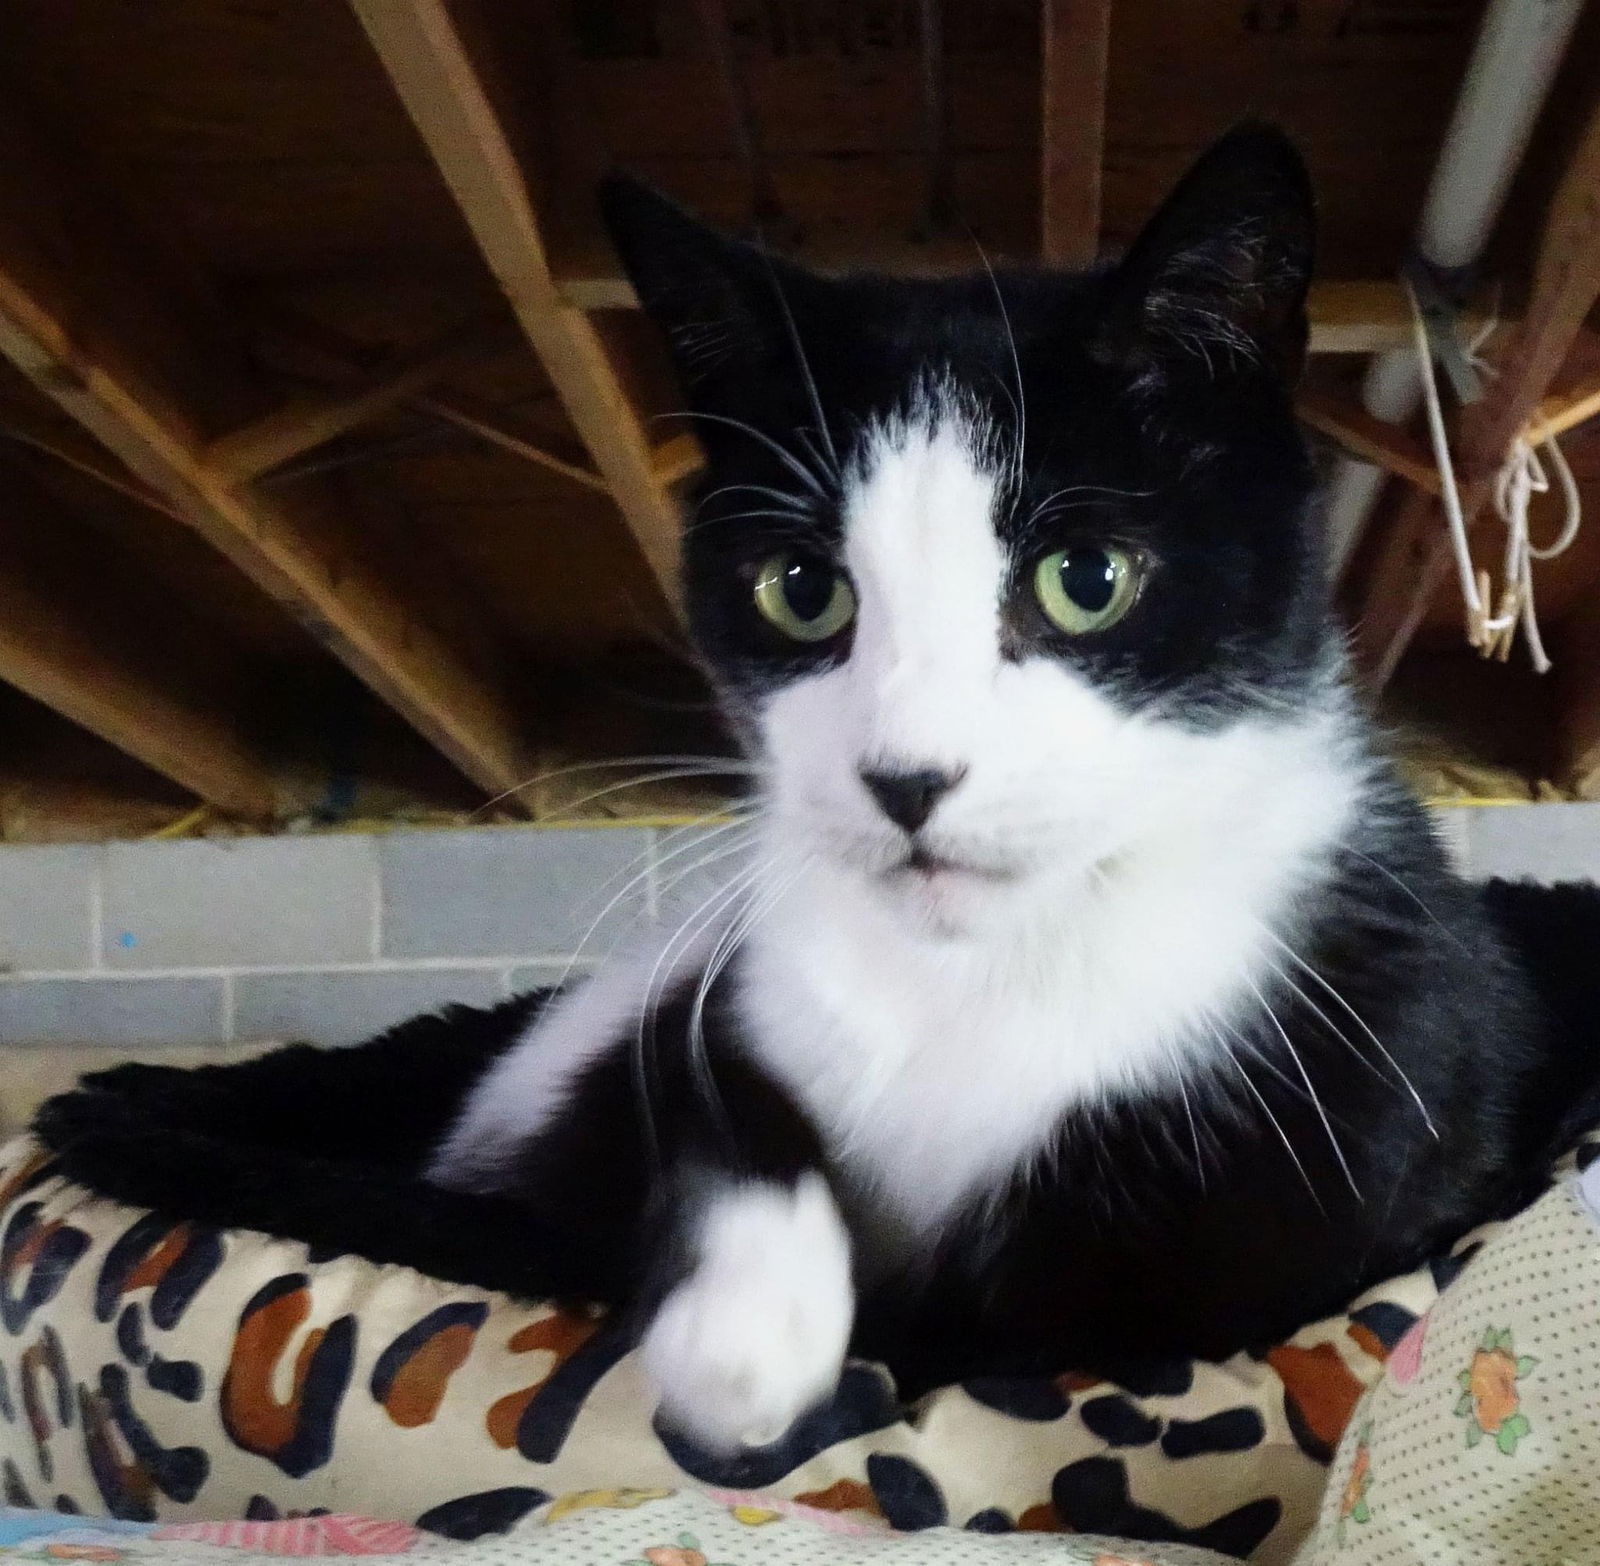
488 1511
1091 1496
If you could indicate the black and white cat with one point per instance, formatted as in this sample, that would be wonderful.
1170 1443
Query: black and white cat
1096 991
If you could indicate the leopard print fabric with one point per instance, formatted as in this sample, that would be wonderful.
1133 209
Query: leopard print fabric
162 1370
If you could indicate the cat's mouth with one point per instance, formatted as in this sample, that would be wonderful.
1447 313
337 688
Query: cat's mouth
923 865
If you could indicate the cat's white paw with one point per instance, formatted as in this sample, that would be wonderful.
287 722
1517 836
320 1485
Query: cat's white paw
756 1334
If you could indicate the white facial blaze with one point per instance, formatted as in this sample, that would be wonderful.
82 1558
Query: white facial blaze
928 570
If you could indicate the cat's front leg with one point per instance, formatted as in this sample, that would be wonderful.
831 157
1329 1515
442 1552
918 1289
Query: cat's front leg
754 1333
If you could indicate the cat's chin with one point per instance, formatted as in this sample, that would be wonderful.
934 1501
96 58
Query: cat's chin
945 899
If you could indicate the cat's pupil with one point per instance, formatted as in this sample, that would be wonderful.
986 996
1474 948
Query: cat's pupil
1088 578
808 588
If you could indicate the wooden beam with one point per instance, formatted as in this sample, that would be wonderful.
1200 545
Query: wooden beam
1567 410
1347 315
311 421
441 77
1344 421
67 443
95 652
676 458
342 354
1074 56
489 425
1414 557
99 339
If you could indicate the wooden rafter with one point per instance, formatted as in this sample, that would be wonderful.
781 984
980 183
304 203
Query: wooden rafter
66 442
1567 409
347 356
1345 422
102 340
1347 316
124 674
305 423
1414 557
1075 53
442 78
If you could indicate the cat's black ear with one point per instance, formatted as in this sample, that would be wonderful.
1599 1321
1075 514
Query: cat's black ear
721 302
1221 271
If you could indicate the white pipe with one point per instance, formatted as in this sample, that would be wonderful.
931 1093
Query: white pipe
1519 49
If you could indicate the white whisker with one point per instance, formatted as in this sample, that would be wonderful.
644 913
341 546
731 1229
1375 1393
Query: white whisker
1277 1126
1316 1102
1361 1023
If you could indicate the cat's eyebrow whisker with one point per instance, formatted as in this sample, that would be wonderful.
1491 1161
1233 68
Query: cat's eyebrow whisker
802 525
1305 1076
793 331
1016 367
796 503
803 434
800 470
1090 489
1039 518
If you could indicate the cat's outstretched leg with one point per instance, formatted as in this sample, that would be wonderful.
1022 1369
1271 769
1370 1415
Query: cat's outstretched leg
679 1157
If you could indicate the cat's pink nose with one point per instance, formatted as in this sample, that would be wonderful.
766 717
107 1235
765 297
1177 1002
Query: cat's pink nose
908 797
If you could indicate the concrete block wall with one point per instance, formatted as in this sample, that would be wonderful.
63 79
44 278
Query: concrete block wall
331 938
328 938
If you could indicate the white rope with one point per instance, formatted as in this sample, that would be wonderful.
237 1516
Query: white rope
1522 475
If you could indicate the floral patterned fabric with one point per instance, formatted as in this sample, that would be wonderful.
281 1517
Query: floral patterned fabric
164 1371
1481 1442
587 1528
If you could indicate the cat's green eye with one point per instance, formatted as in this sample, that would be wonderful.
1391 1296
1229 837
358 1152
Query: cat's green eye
804 597
1088 587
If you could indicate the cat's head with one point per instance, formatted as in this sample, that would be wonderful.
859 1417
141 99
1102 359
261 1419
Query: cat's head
988 566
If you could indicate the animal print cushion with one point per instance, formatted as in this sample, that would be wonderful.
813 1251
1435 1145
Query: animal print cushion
154 1369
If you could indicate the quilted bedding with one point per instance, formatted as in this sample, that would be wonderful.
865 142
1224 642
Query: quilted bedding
160 1370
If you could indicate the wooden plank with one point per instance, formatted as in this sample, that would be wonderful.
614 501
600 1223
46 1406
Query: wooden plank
1074 56
1413 558
347 355
1347 315
1344 421
467 413
63 302
441 78
67 443
97 653
1576 405
311 421
676 458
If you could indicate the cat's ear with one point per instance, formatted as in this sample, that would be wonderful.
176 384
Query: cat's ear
1221 271
725 306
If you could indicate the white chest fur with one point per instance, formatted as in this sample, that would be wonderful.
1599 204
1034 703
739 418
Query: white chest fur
934 1069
